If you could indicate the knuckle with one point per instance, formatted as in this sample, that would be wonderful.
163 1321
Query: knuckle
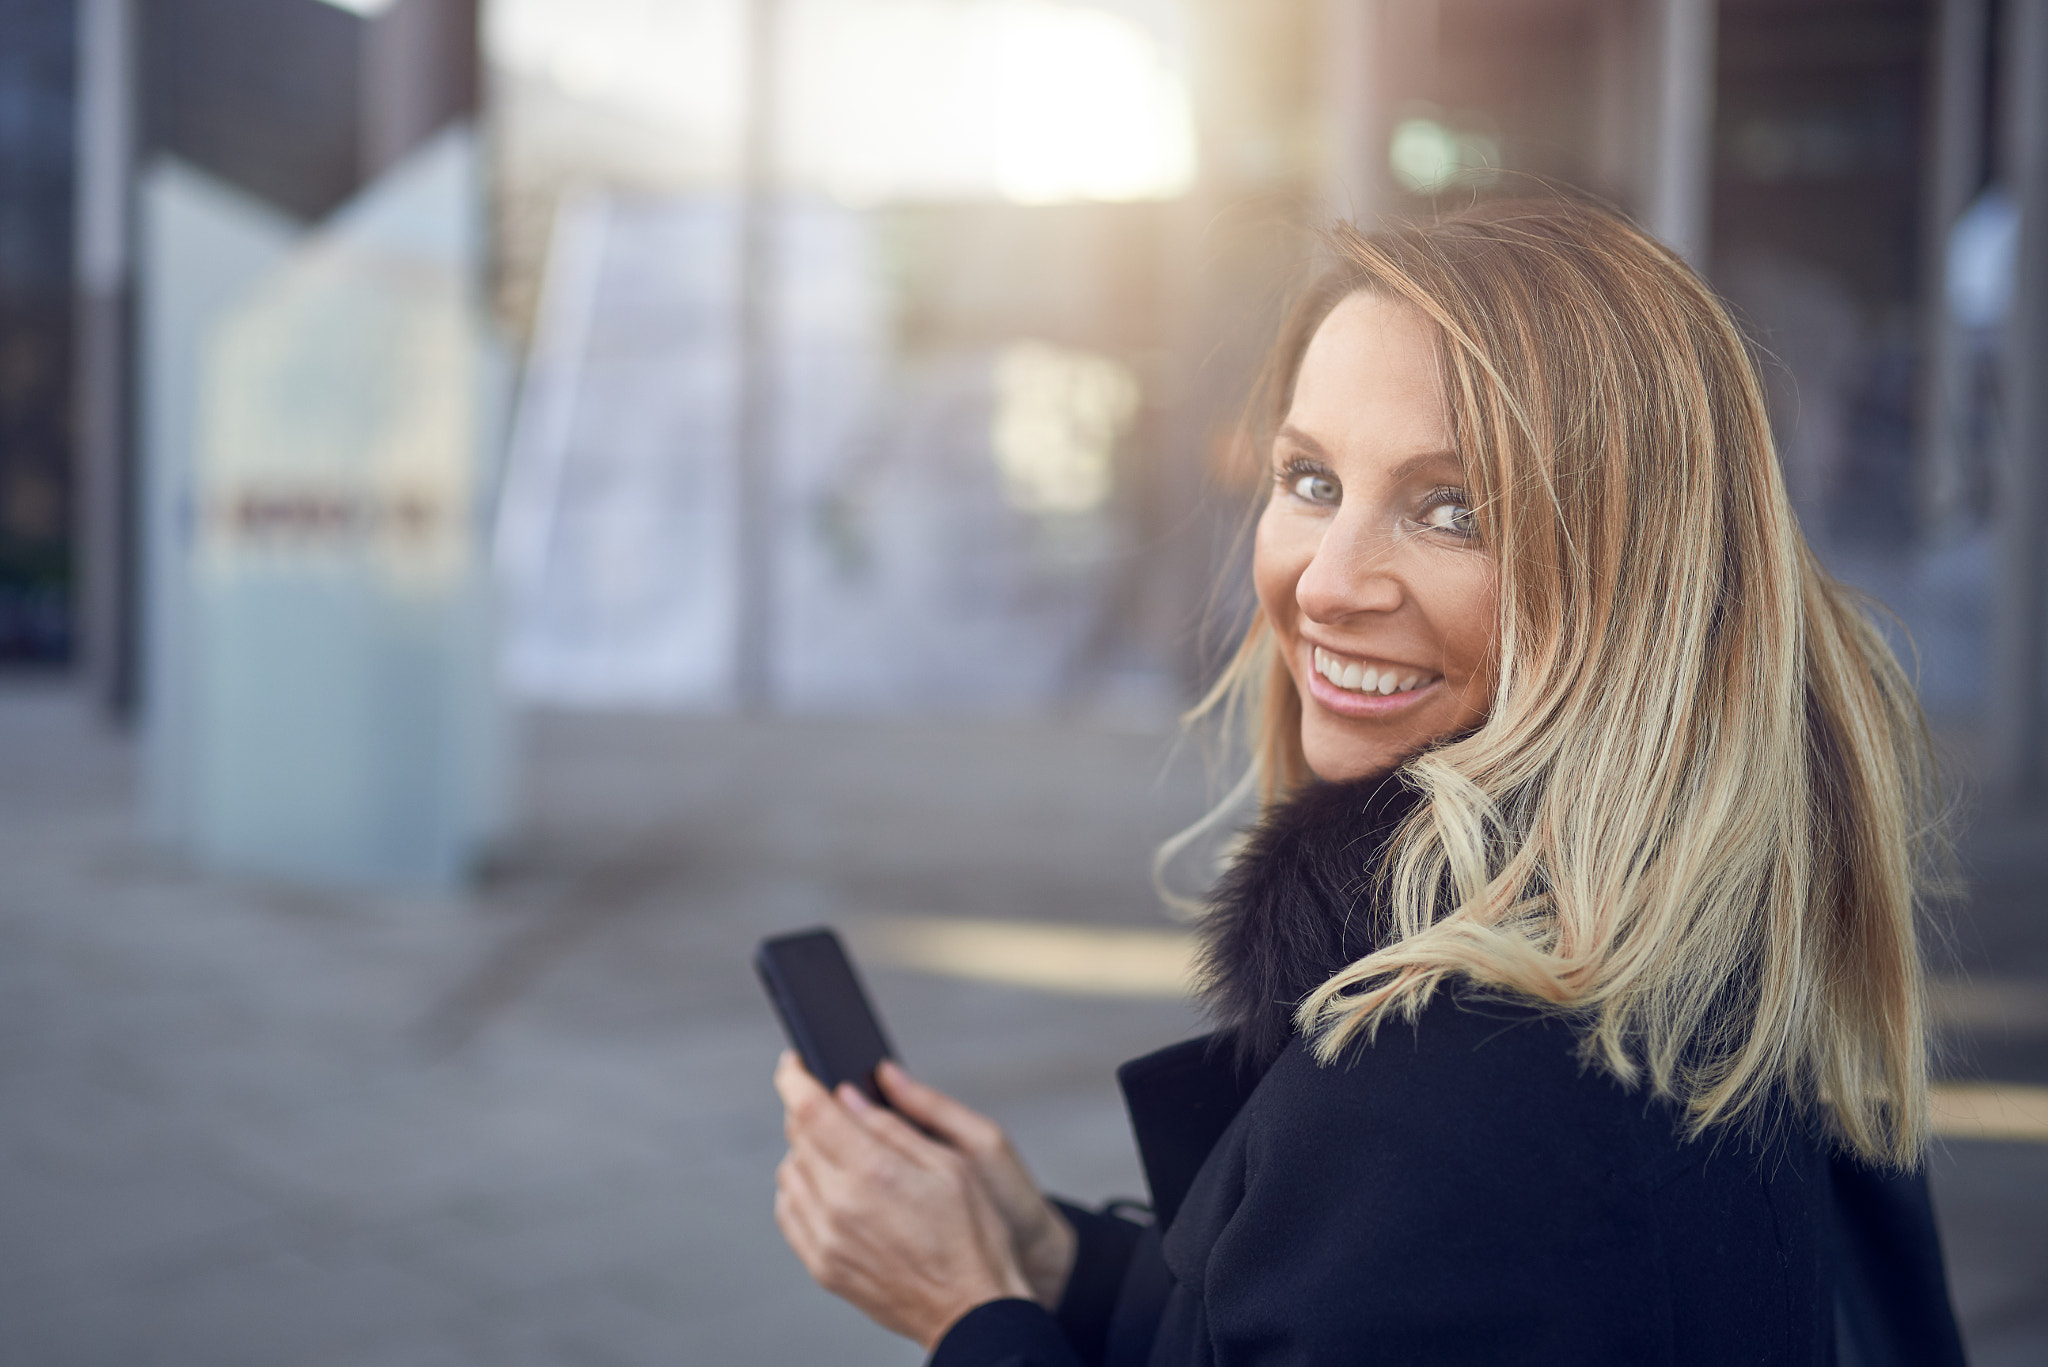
832 1251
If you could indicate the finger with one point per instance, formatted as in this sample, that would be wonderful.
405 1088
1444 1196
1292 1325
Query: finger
958 1124
800 1216
817 1123
793 1082
842 1154
891 1129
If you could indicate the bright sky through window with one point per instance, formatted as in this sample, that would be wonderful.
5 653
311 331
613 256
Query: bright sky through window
1032 101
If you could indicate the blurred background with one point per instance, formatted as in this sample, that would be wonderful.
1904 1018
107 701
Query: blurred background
505 502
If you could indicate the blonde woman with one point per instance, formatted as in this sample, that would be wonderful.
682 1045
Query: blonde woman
1569 1000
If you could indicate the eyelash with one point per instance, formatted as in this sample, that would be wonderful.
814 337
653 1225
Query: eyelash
1297 469
1446 493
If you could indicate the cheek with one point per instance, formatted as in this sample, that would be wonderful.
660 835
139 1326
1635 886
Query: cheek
1277 563
1471 625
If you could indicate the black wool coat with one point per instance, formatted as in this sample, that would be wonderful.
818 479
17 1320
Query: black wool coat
1462 1191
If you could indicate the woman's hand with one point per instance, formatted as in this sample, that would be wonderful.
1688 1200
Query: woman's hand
1041 1237
898 1224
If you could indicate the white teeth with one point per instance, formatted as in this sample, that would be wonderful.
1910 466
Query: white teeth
1358 678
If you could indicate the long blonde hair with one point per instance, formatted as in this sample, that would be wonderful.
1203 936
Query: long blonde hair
1699 812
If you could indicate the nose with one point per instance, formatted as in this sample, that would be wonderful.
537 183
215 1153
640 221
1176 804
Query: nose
1352 571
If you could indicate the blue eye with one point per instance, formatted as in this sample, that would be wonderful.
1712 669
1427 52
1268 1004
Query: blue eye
1447 513
1314 488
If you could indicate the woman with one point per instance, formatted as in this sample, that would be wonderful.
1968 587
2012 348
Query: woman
1568 990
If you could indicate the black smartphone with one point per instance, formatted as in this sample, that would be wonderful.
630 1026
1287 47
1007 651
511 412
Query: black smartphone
824 1011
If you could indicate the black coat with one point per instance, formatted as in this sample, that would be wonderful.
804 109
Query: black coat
1463 1191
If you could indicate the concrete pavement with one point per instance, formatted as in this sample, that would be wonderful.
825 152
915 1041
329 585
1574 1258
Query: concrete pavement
530 1123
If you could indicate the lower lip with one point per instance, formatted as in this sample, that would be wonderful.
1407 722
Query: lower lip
1345 703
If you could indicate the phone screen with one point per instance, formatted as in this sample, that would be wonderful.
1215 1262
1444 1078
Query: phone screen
824 1011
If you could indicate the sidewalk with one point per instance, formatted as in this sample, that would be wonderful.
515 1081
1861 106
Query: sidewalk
245 1124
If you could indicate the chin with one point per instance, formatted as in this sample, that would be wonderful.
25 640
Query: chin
1350 770
1343 759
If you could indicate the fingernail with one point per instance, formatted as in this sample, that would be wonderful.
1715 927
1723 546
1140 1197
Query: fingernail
851 1095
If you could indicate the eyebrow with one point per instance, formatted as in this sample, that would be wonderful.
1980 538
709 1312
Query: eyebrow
1410 466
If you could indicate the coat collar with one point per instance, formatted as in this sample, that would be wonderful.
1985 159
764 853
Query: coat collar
1298 903
1295 906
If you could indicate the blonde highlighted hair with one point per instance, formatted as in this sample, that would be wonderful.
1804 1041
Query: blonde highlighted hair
1699 811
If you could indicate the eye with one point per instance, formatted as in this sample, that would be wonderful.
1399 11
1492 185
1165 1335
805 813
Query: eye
1311 485
1445 510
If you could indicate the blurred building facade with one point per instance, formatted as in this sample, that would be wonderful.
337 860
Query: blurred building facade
886 353
38 111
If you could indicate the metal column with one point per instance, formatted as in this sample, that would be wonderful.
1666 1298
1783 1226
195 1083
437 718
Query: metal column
1956 152
755 487
105 522
1379 56
2018 749
1681 172
1354 171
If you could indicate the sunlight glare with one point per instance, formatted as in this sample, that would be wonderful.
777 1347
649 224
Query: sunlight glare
1033 101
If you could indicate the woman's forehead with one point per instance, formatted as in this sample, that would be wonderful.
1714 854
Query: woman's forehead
1370 384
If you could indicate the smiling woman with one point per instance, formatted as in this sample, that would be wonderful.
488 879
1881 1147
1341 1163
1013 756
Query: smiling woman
1569 992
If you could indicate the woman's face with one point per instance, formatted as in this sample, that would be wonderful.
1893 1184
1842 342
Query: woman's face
1367 565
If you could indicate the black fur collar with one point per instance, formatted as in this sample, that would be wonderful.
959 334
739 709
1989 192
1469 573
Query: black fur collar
1296 905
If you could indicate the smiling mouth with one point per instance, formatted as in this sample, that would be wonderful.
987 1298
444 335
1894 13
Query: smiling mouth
1356 676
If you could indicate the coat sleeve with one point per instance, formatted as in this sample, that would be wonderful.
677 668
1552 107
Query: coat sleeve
1020 1333
1005 1333
1458 1193
1104 1244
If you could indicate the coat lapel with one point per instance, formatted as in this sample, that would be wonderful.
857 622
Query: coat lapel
1181 1100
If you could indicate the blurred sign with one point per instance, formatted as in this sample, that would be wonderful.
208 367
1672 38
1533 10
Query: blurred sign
321 701
338 424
